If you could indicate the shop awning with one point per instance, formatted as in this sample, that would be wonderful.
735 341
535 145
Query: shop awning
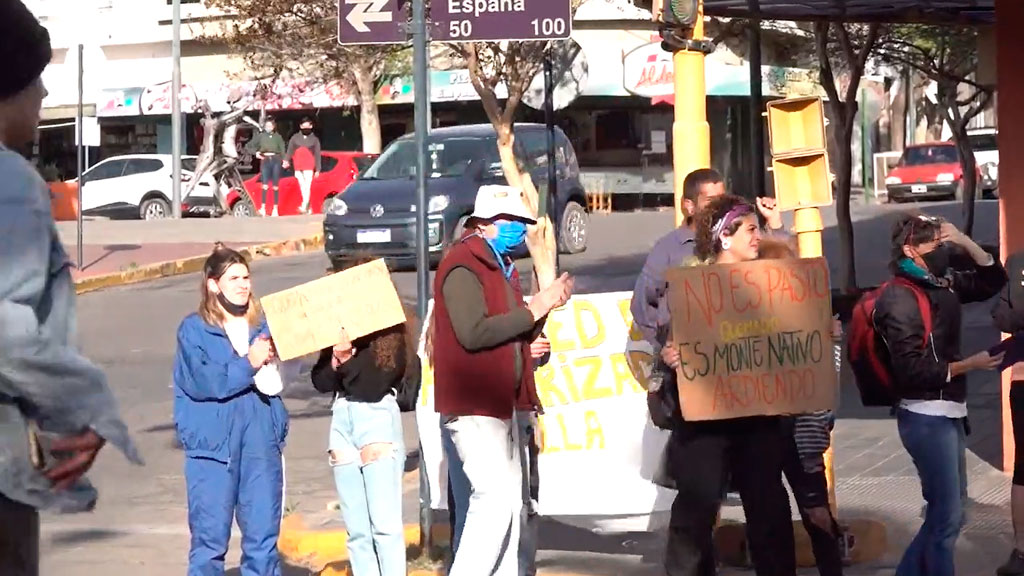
974 11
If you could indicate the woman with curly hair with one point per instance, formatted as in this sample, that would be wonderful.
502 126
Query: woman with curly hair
748 450
367 453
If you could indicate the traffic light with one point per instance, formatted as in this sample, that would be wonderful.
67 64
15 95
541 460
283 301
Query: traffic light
796 131
679 12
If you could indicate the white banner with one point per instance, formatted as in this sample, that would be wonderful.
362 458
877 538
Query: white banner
600 447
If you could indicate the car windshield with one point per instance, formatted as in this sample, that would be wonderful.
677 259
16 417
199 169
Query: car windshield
921 155
364 162
188 164
448 158
984 142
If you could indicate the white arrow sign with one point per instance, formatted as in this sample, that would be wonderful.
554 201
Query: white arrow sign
365 11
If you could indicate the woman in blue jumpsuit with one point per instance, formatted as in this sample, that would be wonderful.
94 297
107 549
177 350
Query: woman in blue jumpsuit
230 422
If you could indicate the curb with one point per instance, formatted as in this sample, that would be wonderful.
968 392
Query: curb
194 264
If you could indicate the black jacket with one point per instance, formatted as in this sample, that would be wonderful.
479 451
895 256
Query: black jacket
920 373
1008 313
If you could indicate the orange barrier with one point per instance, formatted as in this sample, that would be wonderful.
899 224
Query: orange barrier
64 200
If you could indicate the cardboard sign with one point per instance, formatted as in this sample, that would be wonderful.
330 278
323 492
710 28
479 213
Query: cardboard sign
754 338
309 317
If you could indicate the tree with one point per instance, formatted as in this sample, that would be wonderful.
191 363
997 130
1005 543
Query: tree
284 37
948 56
514 65
844 48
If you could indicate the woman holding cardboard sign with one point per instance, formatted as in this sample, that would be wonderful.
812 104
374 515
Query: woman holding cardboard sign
372 378
230 421
750 450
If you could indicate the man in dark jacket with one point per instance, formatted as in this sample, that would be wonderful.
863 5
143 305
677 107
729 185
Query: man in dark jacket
930 373
484 377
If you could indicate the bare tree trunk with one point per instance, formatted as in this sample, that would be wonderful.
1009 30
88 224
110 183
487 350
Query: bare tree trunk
540 239
969 166
844 175
369 118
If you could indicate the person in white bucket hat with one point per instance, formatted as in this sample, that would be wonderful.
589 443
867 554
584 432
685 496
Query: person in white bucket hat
483 371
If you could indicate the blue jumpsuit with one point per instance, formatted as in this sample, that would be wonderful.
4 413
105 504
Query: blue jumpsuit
233 437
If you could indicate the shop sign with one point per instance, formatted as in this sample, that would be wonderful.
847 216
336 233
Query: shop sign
648 71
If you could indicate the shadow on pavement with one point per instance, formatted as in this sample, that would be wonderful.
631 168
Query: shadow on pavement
286 570
74 538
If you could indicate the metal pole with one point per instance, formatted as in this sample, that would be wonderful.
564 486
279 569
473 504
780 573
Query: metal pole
756 106
549 119
79 128
421 105
176 109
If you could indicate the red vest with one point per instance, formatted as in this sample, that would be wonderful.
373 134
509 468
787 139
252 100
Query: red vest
481 383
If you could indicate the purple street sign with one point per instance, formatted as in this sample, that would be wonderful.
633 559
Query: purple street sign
371 22
473 20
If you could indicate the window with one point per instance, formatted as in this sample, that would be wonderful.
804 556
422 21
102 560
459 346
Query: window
105 171
327 163
566 157
922 155
448 158
364 162
534 149
984 142
143 166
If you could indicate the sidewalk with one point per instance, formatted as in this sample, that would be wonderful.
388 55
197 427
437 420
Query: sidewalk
111 247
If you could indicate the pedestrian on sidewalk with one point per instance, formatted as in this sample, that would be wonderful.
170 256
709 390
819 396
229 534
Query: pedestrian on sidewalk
304 156
230 421
366 450
748 450
268 146
53 401
1009 318
930 380
484 376
808 438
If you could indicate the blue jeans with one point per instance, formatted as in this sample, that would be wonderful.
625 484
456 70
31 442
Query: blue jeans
370 492
270 175
938 446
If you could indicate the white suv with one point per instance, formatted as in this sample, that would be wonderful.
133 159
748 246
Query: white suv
139 186
984 142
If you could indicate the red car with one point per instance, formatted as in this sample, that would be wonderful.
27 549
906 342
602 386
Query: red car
927 171
338 170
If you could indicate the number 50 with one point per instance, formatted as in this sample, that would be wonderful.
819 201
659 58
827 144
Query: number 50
460 28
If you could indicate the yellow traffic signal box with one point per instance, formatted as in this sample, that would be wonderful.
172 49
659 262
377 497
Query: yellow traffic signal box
796 129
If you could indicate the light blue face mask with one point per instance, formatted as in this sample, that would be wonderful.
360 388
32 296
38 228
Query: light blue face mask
511 236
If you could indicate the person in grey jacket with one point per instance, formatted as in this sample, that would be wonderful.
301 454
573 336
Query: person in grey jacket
56 411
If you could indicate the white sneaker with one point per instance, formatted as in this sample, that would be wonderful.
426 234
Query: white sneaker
274 214
262 212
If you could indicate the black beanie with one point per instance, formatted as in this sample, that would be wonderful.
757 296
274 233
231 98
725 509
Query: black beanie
24 48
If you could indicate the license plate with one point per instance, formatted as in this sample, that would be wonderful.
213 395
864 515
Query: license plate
373 236
918 188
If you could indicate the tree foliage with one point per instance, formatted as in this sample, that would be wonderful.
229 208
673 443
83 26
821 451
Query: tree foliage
285 38
843 52
947 55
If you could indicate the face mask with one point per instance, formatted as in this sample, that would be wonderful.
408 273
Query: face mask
307 131
511 235
230 307
937 260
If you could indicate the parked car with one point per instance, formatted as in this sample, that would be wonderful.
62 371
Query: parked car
985 143
337 171
139 186
927 171
377 214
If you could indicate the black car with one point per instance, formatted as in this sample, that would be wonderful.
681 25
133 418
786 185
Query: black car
376 215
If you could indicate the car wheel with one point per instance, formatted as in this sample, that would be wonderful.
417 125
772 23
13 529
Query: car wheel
154 209
243 208
572 236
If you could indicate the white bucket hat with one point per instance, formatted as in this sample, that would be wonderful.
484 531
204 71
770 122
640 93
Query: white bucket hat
494 200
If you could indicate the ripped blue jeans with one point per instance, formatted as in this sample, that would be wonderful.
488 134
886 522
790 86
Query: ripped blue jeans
367 456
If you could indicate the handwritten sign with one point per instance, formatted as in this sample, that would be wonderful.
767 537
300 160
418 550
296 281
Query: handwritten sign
309 317
598 439
754 338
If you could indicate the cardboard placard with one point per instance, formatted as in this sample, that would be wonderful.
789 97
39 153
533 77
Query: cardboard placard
755 338
309 317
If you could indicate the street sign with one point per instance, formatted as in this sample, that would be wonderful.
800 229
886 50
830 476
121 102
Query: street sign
371 22
473 20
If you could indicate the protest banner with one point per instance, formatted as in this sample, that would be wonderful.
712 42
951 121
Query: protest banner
754 338
600 448
309 317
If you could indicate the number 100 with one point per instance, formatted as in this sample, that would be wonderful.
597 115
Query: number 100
548 26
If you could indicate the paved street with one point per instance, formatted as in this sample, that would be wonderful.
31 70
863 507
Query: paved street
139 526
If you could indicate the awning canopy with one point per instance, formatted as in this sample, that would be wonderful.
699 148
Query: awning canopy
931 11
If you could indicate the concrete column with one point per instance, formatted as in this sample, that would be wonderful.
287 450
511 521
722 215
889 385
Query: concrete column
1010 44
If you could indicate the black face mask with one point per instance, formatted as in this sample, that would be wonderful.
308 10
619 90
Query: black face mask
307 131
937 260
230 307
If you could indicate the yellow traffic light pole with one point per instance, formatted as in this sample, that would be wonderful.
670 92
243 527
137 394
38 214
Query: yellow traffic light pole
691 134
